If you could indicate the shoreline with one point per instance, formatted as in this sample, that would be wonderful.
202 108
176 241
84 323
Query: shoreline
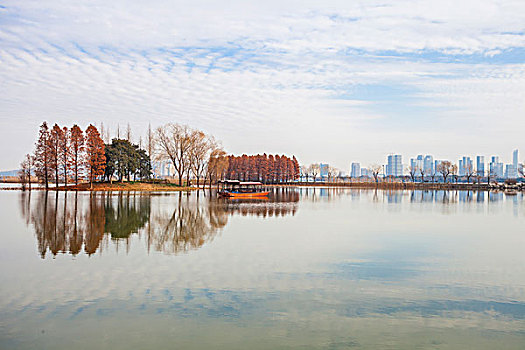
409 186
153 187
107 187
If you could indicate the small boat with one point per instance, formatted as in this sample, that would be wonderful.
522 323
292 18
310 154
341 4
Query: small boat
240 189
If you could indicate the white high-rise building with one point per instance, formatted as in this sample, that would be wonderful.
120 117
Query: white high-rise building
428 164
355 170
495 167
465 165
480 165
417 164
512 171
394 165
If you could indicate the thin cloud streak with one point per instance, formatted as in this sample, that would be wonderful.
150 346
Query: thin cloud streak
335 83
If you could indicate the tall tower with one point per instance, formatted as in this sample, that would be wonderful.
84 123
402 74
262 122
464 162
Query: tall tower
480 165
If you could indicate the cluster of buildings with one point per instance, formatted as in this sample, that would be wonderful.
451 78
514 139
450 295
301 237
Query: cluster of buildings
428 166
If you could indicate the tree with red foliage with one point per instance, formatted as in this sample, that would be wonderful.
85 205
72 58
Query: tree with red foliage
77 149
42 161
296 168
267 169
95 154
55 136
65 152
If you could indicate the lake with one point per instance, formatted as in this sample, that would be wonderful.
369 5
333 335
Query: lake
308 268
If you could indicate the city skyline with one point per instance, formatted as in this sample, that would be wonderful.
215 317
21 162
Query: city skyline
332 81
394 165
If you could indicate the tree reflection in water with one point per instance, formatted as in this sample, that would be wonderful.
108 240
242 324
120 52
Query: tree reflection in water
171 223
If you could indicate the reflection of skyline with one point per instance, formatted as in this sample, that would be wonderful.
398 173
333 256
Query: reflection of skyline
414 196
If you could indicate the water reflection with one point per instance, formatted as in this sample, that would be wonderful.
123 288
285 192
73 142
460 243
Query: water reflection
174 223
72 222
282 202
306 268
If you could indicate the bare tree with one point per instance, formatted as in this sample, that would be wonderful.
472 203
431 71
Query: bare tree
490 173
150 142
304 172
24 174
128 133
423 172
469 171
314 170
331 172
201 146
444 168
413 170
521 168
217 165
174 143
454 172
375 169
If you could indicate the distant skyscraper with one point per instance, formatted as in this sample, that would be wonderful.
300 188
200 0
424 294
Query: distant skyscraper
480 166
513 171
465 165
436 167
355 170
323 170
509 171
428 164
417 164
495 167
365 172
394 166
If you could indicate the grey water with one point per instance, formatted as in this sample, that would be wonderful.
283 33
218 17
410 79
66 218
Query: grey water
307 268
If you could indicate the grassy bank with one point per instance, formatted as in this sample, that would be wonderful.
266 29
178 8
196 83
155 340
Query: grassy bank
118 186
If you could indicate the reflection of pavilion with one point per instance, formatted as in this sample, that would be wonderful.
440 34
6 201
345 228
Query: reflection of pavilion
281 202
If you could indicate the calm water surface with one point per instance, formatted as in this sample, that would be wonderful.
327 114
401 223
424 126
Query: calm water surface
306 269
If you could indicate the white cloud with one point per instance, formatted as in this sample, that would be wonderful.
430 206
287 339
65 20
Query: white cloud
279 77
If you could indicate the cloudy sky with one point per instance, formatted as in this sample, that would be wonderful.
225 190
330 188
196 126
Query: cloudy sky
331 81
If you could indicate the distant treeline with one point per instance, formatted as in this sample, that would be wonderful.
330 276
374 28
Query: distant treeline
71 155
264 168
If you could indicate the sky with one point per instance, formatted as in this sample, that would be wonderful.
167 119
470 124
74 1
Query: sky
326 81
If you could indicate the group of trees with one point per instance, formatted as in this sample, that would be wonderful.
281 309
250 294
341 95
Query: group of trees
62 154
444 169
313 170
192 152
264 168
124 159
